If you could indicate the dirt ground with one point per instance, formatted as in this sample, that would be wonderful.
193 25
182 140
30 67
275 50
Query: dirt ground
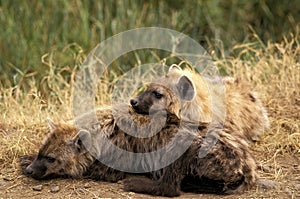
15 185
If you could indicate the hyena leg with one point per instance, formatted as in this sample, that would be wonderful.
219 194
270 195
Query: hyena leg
167 185
229 162
98 171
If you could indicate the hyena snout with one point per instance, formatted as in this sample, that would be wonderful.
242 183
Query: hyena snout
29 170
140 105
35 171
134 102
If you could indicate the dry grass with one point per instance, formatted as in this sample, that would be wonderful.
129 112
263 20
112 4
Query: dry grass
274 70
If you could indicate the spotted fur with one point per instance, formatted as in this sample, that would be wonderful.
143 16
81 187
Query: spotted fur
216 100
227 168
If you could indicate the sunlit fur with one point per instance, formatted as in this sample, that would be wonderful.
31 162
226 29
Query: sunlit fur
226 100
57 145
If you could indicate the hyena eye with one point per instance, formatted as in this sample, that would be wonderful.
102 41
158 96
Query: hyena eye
157 95
50 159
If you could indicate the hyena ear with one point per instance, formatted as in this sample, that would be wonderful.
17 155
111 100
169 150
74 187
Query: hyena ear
82 141
186 88
51 124
174 67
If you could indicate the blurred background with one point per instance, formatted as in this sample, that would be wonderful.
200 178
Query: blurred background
36 34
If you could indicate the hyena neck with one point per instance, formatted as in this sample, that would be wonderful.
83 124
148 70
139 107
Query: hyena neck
89 160
196 111
82 165
199 108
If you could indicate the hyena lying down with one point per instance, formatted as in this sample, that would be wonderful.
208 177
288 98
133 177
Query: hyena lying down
189 96
195 98
227 168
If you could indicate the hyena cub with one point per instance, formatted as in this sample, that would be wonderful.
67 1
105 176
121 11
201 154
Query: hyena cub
195 98
227 168
62 154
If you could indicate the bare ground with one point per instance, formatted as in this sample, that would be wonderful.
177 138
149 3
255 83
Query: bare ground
16 185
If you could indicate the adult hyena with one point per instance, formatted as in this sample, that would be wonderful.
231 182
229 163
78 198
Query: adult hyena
189 96
227 168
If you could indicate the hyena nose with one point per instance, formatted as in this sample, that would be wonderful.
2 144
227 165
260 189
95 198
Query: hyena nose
133 102
28 170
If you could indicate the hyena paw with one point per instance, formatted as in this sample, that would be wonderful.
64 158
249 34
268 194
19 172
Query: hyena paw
141 185
148 186
134 184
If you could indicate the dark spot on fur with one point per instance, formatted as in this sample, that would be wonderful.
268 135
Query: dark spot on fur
116 128
228 153
236 184
252 98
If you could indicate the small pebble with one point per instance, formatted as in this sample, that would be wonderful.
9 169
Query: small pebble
54 188
38 187
288 191
87 185
79 190
268 184
131 193
297 186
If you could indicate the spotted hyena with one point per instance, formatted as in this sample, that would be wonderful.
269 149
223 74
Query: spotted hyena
189 96
62 154
227 168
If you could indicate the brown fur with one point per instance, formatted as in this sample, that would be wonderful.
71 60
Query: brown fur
244 110
57 156
228 167
238 104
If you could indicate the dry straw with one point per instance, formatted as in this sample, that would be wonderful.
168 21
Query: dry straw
273 69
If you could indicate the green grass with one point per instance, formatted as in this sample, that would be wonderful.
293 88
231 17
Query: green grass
62 30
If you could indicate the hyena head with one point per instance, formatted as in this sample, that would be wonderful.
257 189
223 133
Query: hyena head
60 155
176 93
